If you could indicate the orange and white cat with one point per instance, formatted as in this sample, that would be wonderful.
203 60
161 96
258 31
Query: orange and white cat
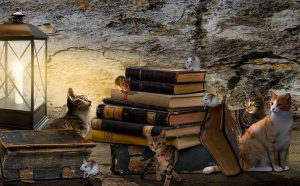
265 145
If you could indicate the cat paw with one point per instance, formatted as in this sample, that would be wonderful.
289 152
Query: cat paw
208 170
278 169
178 179
158 178
286 168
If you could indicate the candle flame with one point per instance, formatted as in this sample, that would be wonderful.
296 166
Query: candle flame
18 75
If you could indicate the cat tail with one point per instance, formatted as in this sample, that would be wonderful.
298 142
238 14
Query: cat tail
211 169
148 167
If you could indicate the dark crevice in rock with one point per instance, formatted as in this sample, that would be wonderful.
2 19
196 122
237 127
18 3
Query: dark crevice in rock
293 30
255 55
234 80
262 9
155 5
199 33
69 49
215 67
132 24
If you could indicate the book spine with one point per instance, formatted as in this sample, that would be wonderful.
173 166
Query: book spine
119 138
152 86
186 142
151 75
142 97
132 104
125 127
134 115
112 137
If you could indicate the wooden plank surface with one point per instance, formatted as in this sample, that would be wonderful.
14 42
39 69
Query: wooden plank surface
42 139
60 182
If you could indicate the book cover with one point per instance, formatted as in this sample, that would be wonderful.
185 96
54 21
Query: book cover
160 100
166 88
165 75
127 103
219 146
138 129
119 138
147 116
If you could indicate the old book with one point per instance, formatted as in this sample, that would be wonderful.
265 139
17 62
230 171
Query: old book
165 75
131 159
119 138
161 100
139 129
218 145
28 155
166 88
151 117
127 103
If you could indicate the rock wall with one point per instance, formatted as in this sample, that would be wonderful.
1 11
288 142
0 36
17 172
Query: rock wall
243 44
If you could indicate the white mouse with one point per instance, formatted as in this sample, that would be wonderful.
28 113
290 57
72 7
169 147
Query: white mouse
210 100
192 63
89 168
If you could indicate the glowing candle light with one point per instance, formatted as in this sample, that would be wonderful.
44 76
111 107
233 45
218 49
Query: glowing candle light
18 75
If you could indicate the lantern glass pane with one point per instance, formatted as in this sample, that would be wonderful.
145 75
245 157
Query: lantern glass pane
39 73
16 66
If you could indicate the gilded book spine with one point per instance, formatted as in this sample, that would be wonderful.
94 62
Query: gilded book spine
125 127
135 115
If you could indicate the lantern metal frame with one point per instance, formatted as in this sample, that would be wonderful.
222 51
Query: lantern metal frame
33 117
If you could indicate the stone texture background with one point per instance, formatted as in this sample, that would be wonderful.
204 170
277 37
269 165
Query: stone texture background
243 43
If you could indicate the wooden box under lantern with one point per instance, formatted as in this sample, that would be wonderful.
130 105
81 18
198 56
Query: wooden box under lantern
37 155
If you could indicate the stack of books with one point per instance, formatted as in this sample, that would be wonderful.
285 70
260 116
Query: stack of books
159 99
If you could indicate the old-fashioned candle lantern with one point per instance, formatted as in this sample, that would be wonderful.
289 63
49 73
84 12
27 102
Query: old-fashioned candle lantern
23 83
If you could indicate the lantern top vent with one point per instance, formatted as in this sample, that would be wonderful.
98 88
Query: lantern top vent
17 30
17 17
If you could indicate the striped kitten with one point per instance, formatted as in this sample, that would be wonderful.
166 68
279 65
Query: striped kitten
254 110
164 159
265 144
77 116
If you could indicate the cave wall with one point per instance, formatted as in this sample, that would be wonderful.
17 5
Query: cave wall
243 44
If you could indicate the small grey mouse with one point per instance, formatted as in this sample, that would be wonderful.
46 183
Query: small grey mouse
89 168
192 63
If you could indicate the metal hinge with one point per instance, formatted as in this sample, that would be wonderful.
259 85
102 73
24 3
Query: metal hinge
26 175
68 172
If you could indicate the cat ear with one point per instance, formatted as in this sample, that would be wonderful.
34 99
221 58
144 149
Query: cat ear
71 93
273 95
288 97
162 134
257 92
84 161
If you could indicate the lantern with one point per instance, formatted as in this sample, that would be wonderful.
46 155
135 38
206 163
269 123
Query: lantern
23 87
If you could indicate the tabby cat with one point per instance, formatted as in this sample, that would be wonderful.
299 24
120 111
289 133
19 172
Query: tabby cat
164 159
254 110
77 116
265 144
